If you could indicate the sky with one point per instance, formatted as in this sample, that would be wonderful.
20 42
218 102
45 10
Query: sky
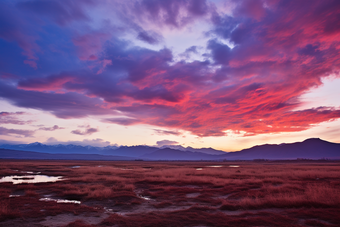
226 74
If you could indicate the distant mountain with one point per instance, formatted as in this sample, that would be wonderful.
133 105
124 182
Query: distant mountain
15 154
133 151
60 148
171 154
128 151
313 148
201 150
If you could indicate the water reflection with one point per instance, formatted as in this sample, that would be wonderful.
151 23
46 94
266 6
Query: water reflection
30 179
215 166
199 169
60 200
234 166
144 197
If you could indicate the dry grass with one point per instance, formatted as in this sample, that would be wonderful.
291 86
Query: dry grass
209 193
6 212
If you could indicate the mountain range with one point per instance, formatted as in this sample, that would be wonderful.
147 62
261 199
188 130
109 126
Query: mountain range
313 148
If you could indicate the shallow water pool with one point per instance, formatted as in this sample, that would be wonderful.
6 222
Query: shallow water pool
30 179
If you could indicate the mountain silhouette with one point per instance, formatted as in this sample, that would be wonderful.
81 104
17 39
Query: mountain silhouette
313 148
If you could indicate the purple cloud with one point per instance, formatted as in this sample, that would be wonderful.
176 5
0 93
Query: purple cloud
149 37
85 142
122 121
174 13
55 127
59 12
13 118
68 105
88 131
167 132
16 132
166 142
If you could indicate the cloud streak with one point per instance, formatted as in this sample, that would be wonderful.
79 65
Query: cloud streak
55 127
16 132
13 118
88 131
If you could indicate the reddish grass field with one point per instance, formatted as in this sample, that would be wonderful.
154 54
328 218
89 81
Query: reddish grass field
139 193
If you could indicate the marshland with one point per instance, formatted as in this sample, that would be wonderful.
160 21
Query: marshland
140 193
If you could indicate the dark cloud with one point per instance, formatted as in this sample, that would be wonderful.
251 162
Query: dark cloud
62 105
192 49
149 37
60 12
220 52
14 28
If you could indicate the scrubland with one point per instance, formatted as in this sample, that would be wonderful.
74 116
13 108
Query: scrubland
139 193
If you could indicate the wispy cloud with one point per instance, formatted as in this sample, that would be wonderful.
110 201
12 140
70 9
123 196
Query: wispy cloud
167 132
87 131
16 132
85 142
55 127
13 118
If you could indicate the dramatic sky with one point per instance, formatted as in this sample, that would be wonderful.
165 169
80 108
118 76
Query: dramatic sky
203 73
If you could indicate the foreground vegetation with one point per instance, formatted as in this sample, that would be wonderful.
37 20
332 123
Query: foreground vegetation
173 194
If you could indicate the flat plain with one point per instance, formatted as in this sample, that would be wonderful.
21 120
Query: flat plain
140 193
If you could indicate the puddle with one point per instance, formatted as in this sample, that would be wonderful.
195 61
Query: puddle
199 169
215 166
144 197
234 166
108 210
139 194
75 167
31 179
11 196
60 200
